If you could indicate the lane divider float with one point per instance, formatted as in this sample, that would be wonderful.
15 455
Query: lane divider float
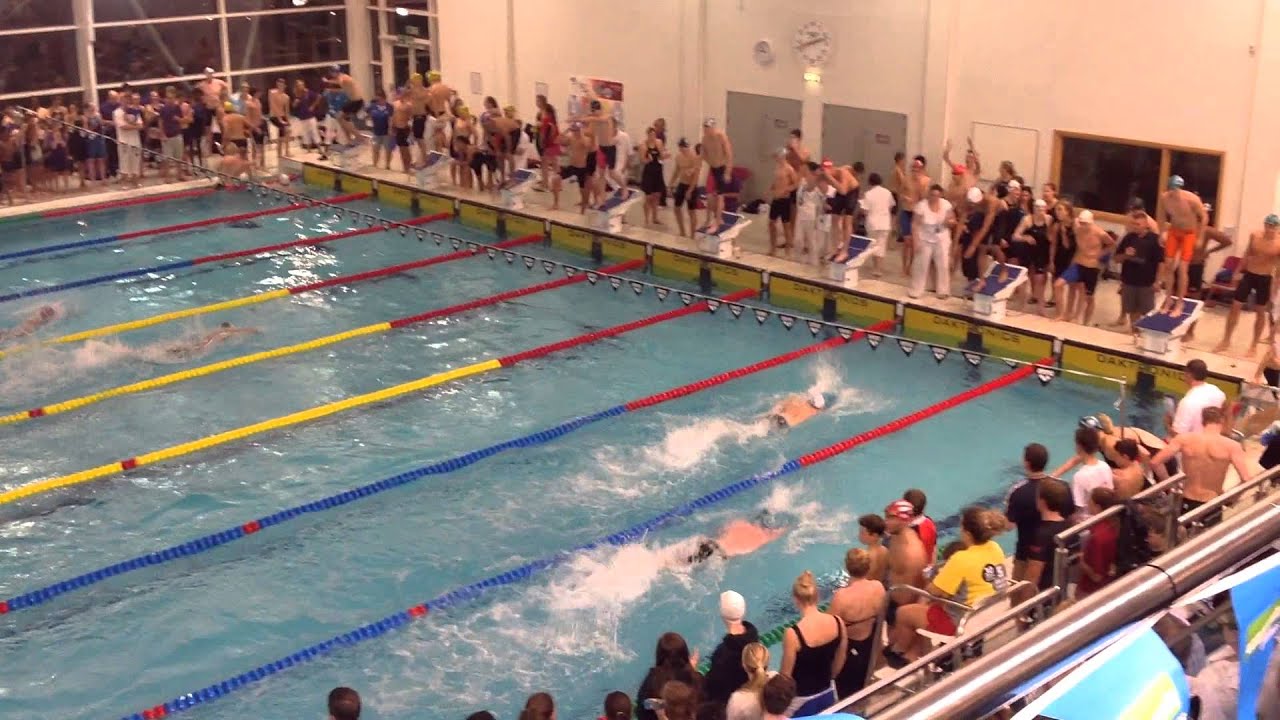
107 240
632 534
238 532
95 207
305 346
180 264
248 300
320 411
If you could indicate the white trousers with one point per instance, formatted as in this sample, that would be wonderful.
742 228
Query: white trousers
307 131
879 239
130 156
937 253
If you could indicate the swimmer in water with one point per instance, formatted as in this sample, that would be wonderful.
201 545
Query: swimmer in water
43 315
796 409
739 537
183 350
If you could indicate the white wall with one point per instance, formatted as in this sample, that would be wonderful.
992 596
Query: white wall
473 38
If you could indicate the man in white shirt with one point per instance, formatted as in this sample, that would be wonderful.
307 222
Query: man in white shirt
877 209
129 122
1200 395
625 149
1091 473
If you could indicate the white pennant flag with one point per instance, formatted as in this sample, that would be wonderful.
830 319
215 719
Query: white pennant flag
549 266
1044 374
403 231
615 283
686 298
1010 363
874 339
973 359
570 271
422 235
592 277
788 321
845 332
907 346
455 242
473 248
438 237
528 261
762 315
713 305
939 353
736 310
510 256
815 327
662 292
637 287
491 253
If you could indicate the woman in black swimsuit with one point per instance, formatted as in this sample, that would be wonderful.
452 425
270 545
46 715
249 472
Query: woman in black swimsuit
1062 240
857 605
651 182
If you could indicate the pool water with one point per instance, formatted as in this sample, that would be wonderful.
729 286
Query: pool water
579 629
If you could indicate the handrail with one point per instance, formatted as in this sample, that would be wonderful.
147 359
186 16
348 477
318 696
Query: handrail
928 596
940 653
1193 520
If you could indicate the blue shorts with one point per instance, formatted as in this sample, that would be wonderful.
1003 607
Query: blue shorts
386 141
904 223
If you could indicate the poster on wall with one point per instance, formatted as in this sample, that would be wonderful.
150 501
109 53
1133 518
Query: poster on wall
582 89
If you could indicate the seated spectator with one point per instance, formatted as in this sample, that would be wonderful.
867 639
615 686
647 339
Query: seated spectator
539 706
726 673
1098 563
968 577
344 704
857 605
777 697
746 702
871 533
1054 504
617 706
813 650
671 662
923 524
679 702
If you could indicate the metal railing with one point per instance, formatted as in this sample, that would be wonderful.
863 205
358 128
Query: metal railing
1192 522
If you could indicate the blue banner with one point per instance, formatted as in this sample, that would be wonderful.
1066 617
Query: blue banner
1256 601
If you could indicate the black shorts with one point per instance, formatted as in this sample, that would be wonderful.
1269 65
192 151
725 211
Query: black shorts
580 173
242 143
402 136
482 160
717 174
351 108
1083 275
281 125
419 126
592 162
1209 520
684 195
259 135
1272 375
610 153
780 209
1259 286
513 140
1195 277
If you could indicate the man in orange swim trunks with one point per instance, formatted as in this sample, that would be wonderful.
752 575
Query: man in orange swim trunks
1182 221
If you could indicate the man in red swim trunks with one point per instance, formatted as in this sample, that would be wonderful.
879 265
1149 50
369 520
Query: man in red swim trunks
1182 221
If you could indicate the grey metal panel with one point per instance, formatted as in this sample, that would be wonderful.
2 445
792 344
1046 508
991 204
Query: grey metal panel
758 126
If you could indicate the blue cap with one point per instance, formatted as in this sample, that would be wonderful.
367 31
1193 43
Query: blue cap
1272 219
1176 182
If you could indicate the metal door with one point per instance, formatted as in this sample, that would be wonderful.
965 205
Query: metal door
851 134
758 126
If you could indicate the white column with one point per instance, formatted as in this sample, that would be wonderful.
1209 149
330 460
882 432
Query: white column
82 11
1259 189
359 51
226 43
931 127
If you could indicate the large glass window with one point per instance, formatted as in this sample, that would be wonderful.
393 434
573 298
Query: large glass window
156 50
118 10
16 14
1203 175
287 39
38 60
252 5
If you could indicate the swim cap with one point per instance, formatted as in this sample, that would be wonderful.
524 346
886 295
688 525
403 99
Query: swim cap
415 76
1040 203
958 169
974 195
1176 182
900 509
1014 185
433 76
683 143
780 153
1085 217
1091 422
827 164
817 400
1272 219
732 606
208 71
709 122
510 108
228 106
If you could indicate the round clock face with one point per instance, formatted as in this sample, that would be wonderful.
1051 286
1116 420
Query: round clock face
813 43
762 52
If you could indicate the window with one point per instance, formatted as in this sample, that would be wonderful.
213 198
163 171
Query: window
39 13
120 10
144 51
414 26
38 60
234 6
287 39
1106 174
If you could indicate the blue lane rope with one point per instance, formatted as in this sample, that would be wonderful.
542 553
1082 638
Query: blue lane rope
32 292
55 248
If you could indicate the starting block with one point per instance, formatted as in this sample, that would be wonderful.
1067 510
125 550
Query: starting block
846 273
434 173
1160 333
991 299
347 155
608 216
515 187
721 239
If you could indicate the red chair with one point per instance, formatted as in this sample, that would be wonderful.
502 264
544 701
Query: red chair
1220 288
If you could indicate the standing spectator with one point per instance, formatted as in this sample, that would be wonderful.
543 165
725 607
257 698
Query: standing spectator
171 145
871 533
907 557
726 674
813 650
617 706
921 523
380 123
1098 563
539 706
1141 254
1021 506
931 242
679 702
108 112
877 207
1090 474
857 605
128 123
746 702
344 704
777 697
651 182
1054 503
1200 395
671 661
306 102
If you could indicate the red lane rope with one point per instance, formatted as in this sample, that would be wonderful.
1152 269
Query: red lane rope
235 218
114 204
700 306
308 242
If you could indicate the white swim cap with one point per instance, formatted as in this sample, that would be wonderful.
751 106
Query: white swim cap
817 400
1085 217
974 195
732 606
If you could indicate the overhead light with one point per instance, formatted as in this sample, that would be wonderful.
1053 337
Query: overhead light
812 77
299 3
402 12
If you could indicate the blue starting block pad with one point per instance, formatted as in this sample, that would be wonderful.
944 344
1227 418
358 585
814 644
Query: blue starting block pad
1160 333
847 273
513 190
721 239
608 216
434 172
991 297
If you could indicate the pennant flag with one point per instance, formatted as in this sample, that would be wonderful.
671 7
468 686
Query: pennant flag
455 242
973 359
845 332
874 340
736 310
528 261
1010 363
593 277
403 231
369 220
940 353
788 321
510 256
491 252
1044 374
907 346
615 282
570 271
686 298
473 247
438 237
637 287
762 315
549 266
422 235
815 327
713 305
662 292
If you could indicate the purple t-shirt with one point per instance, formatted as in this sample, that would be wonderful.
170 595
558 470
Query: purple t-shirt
169 117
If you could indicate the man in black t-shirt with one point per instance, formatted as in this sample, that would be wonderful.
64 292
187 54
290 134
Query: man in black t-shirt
1142 254
1055 506
1022 510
